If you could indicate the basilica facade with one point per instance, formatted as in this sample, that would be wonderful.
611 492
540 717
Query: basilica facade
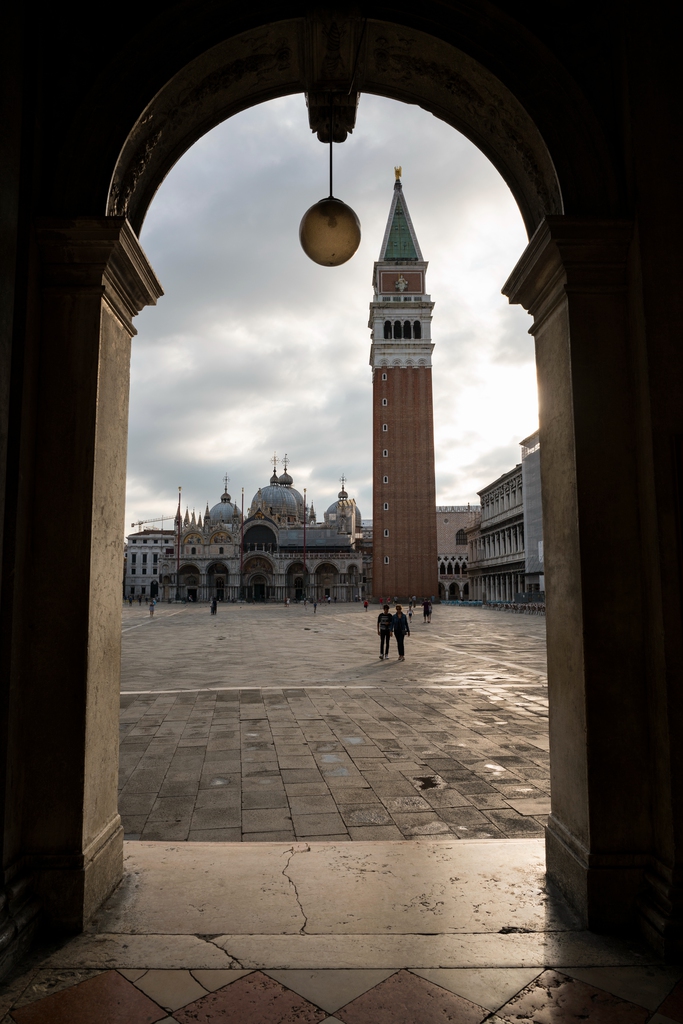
277 550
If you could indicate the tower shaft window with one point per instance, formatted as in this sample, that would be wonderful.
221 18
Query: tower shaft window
417 329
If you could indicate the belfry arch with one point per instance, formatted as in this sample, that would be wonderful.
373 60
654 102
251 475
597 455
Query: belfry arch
614 838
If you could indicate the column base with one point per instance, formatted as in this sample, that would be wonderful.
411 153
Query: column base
19 916
603 889
72 887
660 911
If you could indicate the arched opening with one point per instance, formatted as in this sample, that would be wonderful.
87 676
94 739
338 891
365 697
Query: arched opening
573 279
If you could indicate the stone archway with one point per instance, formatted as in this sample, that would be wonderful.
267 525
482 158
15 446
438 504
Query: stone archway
580 279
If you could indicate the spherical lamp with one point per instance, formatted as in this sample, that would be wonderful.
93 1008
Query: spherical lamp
329 232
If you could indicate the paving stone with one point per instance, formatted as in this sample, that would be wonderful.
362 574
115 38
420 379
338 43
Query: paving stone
555 997
365 833
282 836
256 999
318 824
266 820
215 835
405 999
106 999
171 989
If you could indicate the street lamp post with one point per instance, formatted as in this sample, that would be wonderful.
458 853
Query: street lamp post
177 568
305 580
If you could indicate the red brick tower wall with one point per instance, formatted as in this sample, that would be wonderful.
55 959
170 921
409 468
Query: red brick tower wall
410 492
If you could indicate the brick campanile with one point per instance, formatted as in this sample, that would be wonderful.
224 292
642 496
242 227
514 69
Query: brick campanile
404 490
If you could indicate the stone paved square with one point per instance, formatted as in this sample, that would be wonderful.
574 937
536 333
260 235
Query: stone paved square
264 723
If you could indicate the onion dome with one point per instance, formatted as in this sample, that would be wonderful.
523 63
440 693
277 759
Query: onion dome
285 479
224 511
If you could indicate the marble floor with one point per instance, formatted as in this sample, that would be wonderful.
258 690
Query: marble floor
408 932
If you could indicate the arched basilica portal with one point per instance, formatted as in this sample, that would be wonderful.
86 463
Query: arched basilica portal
575 110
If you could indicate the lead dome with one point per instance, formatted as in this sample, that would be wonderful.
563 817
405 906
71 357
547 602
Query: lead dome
225 510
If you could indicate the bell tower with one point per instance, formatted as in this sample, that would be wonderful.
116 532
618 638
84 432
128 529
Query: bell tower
404 489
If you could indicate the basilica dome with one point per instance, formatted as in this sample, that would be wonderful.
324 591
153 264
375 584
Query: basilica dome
280 500
340 507
224 510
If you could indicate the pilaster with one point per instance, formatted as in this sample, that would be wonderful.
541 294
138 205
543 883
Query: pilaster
94 278
602 844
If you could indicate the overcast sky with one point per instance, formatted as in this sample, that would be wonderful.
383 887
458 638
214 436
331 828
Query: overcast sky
255 349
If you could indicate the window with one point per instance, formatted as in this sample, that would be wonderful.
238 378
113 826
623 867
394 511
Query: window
134 558
387 328
384 377
385 401
385 480
144 572
386 559
397 327
143 589
144 558
194 551
155 570
385 427
156 541
386 506
461 537
220 551
385 453
155 557
406 329
131 590
144 542
134 542
386 533
417 329
133 571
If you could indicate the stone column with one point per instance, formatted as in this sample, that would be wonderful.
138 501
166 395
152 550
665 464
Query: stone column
94 279
614 828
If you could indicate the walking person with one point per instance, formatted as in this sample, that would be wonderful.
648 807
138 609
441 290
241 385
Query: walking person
384 626
214 605
315 606
365 605
401 630
151 608
426 610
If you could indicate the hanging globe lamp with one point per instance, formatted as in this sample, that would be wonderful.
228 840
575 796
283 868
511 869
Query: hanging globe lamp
330 230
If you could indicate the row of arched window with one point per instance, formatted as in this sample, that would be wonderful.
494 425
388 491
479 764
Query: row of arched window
450 569
402 330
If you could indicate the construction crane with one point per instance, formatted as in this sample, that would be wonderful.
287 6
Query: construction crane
159 519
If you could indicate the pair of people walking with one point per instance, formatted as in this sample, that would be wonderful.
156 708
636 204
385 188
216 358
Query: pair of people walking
389 625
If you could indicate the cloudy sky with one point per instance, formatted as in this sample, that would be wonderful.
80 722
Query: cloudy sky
255 349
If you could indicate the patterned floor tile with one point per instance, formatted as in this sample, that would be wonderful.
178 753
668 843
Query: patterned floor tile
106 999
213 980
673 1004
645 986
330 989
406 999
170 989
555 998
255 999
490 987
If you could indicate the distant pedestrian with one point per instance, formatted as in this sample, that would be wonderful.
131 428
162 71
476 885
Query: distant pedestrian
151 609
315 607
287 603
410 613
384 621
365 604
425 610
401 630
214 605
140 599
130 600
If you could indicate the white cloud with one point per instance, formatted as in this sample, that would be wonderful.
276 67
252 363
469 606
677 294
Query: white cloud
254 348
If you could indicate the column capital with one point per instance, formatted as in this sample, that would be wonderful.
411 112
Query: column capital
102 255
569 254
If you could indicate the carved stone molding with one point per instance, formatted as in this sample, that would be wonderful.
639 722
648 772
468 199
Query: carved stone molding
343 55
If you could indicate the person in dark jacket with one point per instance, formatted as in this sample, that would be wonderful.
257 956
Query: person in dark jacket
400 629
384 624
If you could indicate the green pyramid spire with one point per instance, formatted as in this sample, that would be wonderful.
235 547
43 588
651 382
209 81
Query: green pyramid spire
400 245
